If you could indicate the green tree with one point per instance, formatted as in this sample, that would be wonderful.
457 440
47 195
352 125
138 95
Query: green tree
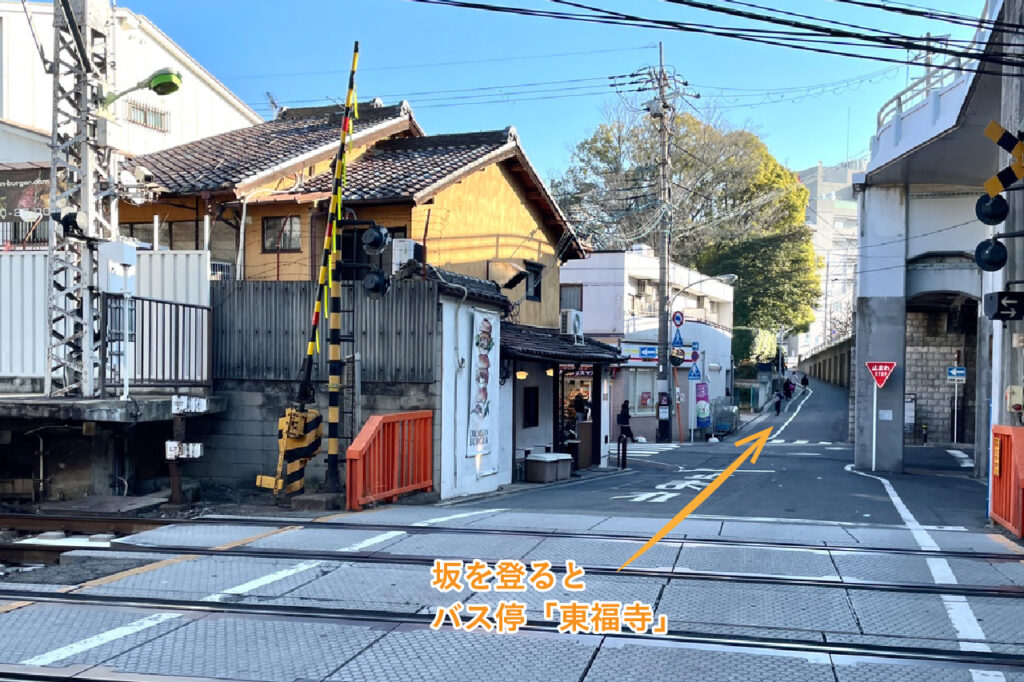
734 209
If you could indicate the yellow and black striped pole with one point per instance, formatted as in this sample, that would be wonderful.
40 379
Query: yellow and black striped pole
332 482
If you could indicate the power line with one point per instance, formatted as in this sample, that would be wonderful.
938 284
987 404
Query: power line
461 62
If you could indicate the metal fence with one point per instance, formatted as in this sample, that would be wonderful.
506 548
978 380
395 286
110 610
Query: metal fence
168 344
21 234
260 331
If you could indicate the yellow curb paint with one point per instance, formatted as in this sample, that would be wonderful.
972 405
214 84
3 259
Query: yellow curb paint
1003 540
138 570
254 538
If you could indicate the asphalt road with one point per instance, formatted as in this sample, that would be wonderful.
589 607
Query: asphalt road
801 474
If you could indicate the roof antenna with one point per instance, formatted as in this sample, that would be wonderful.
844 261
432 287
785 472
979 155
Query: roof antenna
273 103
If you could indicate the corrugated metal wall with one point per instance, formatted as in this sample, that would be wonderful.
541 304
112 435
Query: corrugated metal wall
24 326
396 333
260 330
181 276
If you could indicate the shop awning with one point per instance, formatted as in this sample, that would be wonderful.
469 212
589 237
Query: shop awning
522 342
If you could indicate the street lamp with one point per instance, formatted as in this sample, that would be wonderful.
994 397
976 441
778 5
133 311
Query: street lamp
665 425
162 82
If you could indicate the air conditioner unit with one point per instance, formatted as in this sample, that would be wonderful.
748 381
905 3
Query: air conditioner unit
403 251
572 325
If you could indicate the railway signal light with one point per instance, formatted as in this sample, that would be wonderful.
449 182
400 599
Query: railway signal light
375 239
376 283
992 210
990 255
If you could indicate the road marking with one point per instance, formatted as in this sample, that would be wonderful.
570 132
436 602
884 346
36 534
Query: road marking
962 457
958 609
851 524
456 516
776 441
114 577
824 442
647 497
369 542
258 536
88 643
683 470
801 442
795 413
835 448
256 583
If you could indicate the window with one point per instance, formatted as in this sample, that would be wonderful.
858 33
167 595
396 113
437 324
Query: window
645 397
147 116
282 233
571 297
534 274
531 407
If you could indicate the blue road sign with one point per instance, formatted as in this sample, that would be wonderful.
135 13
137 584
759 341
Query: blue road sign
677 318
677 340
696 345
952 372
694 373
648 351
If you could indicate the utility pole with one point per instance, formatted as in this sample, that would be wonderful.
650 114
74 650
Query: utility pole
661 114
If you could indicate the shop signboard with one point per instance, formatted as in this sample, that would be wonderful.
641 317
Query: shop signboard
702 405
484 385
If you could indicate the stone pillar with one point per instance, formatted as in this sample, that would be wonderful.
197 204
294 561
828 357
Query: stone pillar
881 326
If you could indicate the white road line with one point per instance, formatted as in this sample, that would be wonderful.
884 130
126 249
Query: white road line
962 457
246 588
456 516
795 413
801 442
369 542
776 441
835 448
75 648
958 609
824 442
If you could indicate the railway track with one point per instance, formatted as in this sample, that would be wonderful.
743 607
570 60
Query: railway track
50 553
31 523
673 637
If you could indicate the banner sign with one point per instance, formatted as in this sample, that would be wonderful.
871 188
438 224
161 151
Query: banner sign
28 189
703 406
483 386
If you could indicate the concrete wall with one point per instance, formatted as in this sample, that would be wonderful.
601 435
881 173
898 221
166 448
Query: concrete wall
832 364
881 329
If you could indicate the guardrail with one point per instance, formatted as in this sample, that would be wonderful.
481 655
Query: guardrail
1008 478
937 76
393 454
168 344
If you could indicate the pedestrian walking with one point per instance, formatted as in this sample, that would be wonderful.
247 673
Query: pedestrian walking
787 389
779 397
623 420
805 382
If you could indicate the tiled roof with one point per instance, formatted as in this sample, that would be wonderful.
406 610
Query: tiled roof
457 284
222 161
538 343
403 168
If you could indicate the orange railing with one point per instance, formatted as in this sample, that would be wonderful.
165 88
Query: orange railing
1008 477
393 454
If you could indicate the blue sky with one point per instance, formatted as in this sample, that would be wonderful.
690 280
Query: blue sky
300 51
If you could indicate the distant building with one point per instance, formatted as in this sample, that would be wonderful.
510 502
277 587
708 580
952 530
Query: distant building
147 122
832 216
617 293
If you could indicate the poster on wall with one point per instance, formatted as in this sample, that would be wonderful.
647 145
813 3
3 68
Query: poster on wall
703 406
483 384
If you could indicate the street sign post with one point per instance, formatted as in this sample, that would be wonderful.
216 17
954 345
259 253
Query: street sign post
956 375
1004 305
880 372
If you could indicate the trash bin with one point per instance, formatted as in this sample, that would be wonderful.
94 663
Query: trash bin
564 468
542 467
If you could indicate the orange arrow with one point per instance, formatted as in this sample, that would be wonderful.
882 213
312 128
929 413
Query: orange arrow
758 440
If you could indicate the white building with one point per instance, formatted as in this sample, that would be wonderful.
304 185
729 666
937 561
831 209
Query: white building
832 216
617 291
146 122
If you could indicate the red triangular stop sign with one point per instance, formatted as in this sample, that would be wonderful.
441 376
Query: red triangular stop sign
880 371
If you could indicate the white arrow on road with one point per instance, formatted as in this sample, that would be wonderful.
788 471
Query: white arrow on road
647 497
